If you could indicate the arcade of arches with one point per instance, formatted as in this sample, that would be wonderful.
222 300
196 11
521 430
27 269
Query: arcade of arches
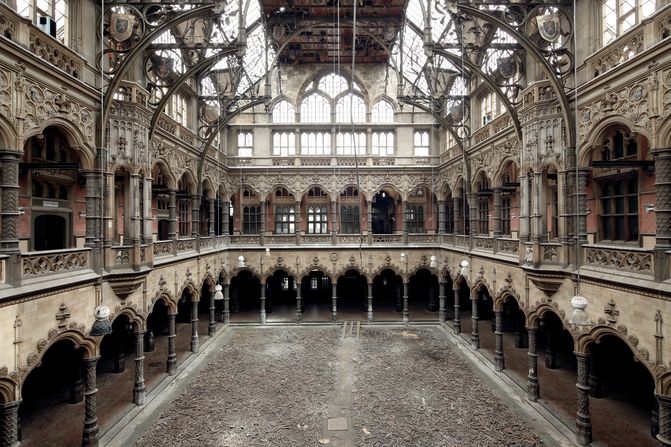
202 166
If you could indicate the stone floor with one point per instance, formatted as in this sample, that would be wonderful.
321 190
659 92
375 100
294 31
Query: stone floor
309 386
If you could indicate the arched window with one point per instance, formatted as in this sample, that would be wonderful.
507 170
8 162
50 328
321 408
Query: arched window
383 112
351 108
284 112
315 109
484 193
251 220
332 84
619 16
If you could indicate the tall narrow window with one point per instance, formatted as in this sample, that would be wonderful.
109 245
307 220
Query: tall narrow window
284 144
347 143
489 107
251 220
284 112
285 220
349 219
316 143
317 220
619 209
449 215
382 143
315 109
415 218
619 16
505 215
421 143
245 143
382 112
351 108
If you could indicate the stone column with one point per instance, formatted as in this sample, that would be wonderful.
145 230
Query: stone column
225 215
262 217
498 231
524 207
297 207
442 290
334 220
457 317
263 302
9 213
92 208
172 355
299 303
138 387
334 300
473 212
456 207
9 424
210 226
135 210
212 325
406 315
533 388
583 421
172 214
498 333
475 336
226 312
536 211
195 343
582 205
369 220
370 301
195 216
404 210
664 434
662 211
441 217
90 434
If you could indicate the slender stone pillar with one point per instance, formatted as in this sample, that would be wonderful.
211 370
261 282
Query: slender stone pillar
92 208
404 209
498 231
210 226
263 302
212 325
138 387
299 304
533 388
334 220
195 216
135 211
475 335
172 355
583 421
406 315
172 214
9 424
90 434
441 217
582 205
195 343
370 301
334 301
664 434
9 213
456 207
262 218
442 313
225 215
473 212
457 317
226 313
369 220
498 350
662 211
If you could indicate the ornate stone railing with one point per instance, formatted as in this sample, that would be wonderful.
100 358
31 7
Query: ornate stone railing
206 242
638 260
510 246
483 243
461 240
281 239
42 263
284 161
162 248
384 161
220 241
246 239
122 254
423 238
316 239
550 252
315 161
185 245
639 38
351 239
387 238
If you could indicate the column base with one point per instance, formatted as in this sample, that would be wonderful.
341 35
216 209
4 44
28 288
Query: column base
533 389
584 430
211 328
457 327
475 341
263 317
195 345
139 394
499 362
171 364
90 434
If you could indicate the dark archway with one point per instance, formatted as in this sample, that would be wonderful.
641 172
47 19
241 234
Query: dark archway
316 293
281 296
423 295
383 213
156 344
387 296
53 392
352 296
50 232
245 296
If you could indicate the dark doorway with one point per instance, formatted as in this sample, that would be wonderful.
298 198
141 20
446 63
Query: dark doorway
383 214
50 232
163 229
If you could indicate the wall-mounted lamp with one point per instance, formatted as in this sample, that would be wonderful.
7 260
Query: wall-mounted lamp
588 211
82 215
464 268
404 257
102 325
650 208
513 215
217 293
241 261
434 262
21 211
267 251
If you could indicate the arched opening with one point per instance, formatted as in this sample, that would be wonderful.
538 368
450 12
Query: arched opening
245 297
53 392
122 207
160 202
449 298
184 324
384 212
184 203
206 300
485 318
350 204
387 296
419 213
352 296
550 199
483 199
283 211
51 193
622 395
509 198
423 295
316 293
156 344
316 211
281 296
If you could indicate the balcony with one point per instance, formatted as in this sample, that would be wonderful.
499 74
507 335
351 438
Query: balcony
38 264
